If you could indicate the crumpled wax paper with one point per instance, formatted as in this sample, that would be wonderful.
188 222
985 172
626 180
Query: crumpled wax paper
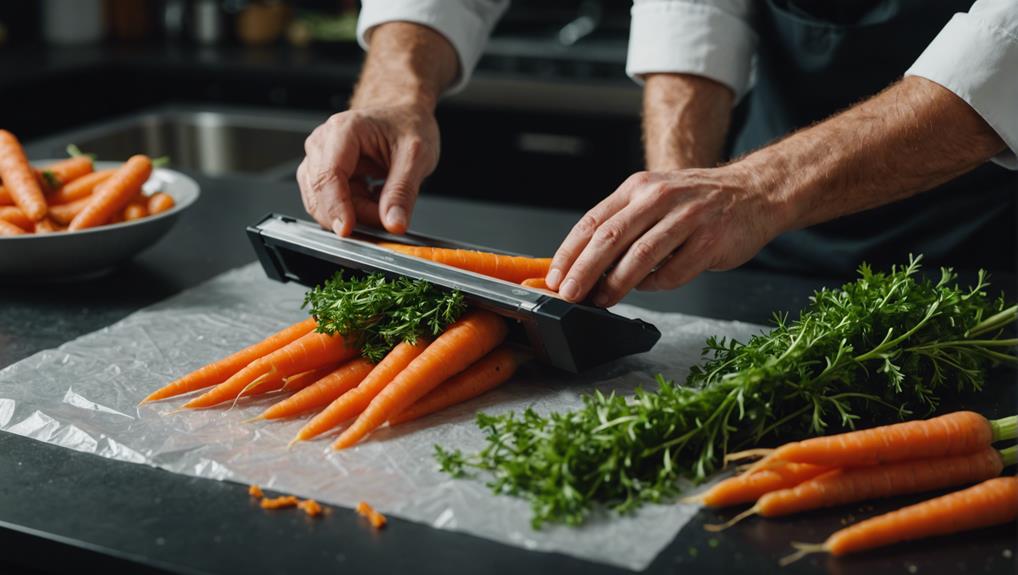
84 396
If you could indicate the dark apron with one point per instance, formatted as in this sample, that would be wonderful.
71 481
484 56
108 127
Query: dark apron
818 57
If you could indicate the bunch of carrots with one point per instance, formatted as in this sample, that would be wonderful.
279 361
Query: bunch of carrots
70 194
912 457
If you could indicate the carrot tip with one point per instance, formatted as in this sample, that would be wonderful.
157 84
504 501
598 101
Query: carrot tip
747 454
715 528
693 499
293 442
801 550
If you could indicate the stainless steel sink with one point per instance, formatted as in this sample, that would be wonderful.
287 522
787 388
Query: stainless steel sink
216 141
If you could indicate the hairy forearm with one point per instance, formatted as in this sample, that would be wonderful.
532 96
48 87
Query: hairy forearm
910 138
685 119
406 64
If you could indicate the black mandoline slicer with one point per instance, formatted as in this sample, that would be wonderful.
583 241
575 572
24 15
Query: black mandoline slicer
569 336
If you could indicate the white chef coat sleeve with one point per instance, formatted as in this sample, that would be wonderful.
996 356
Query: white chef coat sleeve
710 38
976 57
465 23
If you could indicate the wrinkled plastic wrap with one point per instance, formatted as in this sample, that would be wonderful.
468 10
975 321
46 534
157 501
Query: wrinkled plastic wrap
84 396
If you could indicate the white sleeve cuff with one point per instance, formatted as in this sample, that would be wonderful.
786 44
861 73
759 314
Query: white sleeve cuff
978 61
466 24
686 37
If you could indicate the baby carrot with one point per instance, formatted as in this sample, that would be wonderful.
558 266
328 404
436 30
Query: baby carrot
310 351
9 229
951 434
510 268
60 173
17 217
992 502
19 178
464 342
159 203
488 373
749 486
221 370
112 195
64 214
48 226
854 484
322 392
135 211
354 401
79 188
5 197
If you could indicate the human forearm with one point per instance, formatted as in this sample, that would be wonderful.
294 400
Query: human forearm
407 65
910 138
685 119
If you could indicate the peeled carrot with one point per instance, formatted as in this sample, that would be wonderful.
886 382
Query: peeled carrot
112 195
491 371
322 392
464 342
310 351
19 178
538 283
9 229
952 434
221 370
160 202
510 268
135 211
854 484
354 401
79 188
992 502
376 519
65 171
751 485
17 217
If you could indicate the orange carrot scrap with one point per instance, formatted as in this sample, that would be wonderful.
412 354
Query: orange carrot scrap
376 519
311 507
255 491
280 502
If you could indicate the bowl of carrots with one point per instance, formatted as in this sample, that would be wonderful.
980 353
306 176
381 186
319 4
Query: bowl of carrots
73 218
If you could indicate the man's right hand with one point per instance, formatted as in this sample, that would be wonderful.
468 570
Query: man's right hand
397 144
389 133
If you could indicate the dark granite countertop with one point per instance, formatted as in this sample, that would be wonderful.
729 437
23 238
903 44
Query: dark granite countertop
61 510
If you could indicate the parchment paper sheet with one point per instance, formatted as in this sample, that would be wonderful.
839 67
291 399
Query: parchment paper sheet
84 395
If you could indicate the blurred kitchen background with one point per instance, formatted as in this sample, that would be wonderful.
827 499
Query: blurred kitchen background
232 87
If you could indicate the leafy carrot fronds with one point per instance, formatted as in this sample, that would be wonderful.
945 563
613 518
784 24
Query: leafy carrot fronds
382 312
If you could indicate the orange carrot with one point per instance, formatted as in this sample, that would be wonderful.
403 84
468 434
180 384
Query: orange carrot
310 351
9 229
464 342
854 484
295 383
255 491
19 178
538 283
749 486
510 268
376 519
112 195
160 202
64 214
17 217
48 226
952 434
79 188
310 507
322 392
280 502
488 373
354 401
65 171
992 502
135 211
5 197
221 370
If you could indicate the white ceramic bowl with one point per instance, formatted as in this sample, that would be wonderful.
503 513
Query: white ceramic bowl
73 255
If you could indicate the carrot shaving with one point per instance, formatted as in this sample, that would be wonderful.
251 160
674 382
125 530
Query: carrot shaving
376 519
280 502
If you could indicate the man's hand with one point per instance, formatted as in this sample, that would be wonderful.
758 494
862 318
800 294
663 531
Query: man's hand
661 229
398 144
389 133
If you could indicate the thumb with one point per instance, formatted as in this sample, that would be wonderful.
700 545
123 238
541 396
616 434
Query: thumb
396 201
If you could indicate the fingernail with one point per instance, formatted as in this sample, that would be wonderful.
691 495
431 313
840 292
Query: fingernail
396 217
554 276
337 226
569 290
